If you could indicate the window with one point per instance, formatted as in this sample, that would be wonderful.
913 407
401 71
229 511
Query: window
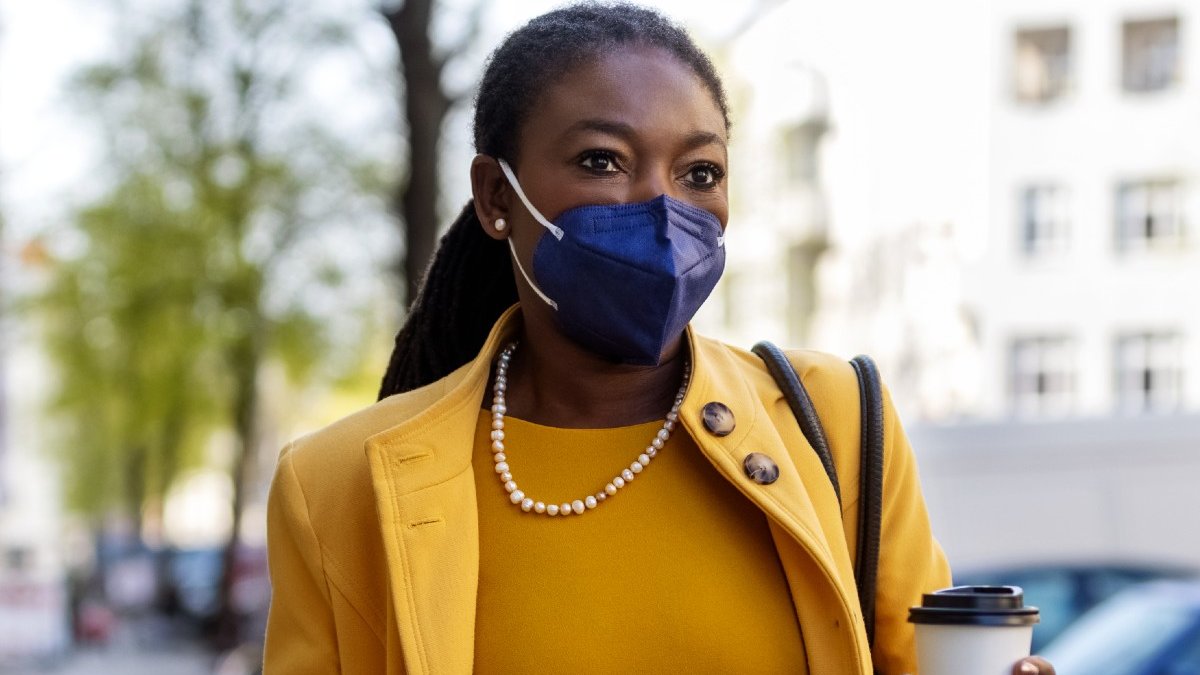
1044 221
1149 215
1043 376
1042 68
1149 372
1151 54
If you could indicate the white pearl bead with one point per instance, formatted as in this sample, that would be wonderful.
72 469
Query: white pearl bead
497 435
497 424
565 509
673 416
539 507
510 486
499 457
651 451
610 489
577 506
644 459
589 502
636 467
627 475
669 425
552 509
497 446
506 476
601 496
526 504
663 435
516 496
502 467
657 444
618 483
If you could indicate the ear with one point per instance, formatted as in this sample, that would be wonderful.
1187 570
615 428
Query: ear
491 192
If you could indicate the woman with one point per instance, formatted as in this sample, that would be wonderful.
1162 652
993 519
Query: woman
554 479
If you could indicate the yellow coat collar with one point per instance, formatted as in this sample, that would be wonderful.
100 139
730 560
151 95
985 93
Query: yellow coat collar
425 496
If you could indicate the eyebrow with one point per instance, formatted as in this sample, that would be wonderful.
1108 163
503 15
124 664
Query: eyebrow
694 140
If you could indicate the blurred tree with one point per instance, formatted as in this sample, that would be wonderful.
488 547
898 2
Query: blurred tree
426 104
211 253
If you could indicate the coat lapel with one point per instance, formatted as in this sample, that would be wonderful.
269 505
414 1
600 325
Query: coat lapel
425 497
814 565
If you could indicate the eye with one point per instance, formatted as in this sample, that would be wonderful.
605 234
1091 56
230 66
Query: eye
599 161
705 175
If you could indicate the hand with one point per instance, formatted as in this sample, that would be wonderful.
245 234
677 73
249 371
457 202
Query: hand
1033 665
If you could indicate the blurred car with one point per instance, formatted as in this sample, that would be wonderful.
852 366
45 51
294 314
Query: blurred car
194 577
1148 629
1063 593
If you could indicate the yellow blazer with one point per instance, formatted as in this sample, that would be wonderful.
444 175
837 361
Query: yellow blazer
373 534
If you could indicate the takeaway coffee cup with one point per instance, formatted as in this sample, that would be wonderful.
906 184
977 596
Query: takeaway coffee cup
972 630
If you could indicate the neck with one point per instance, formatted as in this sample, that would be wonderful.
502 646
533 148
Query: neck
554 382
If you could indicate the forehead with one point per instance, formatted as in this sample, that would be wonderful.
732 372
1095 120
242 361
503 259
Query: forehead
648 88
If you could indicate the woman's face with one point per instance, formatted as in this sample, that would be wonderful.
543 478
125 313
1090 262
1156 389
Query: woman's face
629 126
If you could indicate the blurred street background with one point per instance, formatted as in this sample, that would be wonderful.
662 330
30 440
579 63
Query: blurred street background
213 214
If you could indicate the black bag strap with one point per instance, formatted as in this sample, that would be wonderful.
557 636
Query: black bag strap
802 407
870 501
870 507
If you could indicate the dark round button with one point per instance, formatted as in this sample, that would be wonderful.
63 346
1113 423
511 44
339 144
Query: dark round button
718 418
760 468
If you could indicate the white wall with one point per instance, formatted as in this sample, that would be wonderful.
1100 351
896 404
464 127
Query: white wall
1078 491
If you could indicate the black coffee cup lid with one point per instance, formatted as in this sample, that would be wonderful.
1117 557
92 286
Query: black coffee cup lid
975 606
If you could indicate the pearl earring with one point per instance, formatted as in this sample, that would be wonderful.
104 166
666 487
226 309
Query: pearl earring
500 224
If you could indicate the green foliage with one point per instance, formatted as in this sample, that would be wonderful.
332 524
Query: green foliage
196 264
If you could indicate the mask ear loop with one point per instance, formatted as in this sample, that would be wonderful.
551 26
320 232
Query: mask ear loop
554 230
512 180
548 301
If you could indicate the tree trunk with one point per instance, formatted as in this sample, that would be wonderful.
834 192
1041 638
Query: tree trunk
425 107
245 359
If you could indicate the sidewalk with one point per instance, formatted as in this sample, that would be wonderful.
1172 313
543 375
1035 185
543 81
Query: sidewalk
170 660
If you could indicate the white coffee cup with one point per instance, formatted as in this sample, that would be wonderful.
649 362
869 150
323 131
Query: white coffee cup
972 630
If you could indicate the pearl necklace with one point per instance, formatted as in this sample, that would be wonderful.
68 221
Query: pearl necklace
578 506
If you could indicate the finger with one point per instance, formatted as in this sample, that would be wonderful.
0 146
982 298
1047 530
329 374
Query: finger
1033 665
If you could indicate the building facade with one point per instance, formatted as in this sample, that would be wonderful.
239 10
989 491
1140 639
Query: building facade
1012 225
1092 256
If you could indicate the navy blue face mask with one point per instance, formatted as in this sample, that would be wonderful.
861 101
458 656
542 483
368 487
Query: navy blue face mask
624 280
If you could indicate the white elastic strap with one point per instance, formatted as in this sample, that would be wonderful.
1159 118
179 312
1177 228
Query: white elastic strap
532 285
512 180
720 241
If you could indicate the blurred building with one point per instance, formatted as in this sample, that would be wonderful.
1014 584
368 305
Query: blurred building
1009 205
34 617
1084 293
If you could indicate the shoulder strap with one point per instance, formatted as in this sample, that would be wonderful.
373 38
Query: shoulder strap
870 501
802 407
870 509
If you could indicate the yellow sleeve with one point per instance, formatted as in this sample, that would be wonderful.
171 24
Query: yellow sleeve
910 560
301 636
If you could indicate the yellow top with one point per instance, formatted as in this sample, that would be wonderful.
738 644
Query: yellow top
676 573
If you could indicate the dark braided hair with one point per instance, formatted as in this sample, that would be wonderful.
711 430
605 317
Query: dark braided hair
470 283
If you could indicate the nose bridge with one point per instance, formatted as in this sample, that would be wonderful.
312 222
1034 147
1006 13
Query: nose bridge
653 180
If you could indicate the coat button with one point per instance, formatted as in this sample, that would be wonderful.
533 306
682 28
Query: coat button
760 468
718 418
